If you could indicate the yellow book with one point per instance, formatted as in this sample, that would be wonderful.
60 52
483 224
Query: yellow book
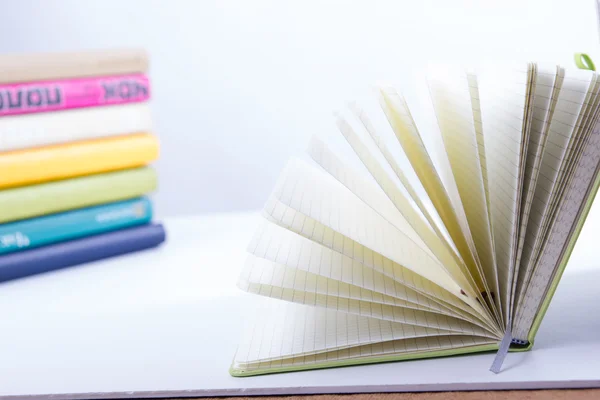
30 166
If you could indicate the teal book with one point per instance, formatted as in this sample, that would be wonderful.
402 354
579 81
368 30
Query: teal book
70 225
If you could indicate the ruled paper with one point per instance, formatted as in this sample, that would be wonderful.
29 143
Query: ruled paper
547 86
321 197
403 218
381 351
305 292
581 133
452 96
395 208
349 262
387 290
283 330
296 285
560 135
561 232
285 333
414 196
400 119
476 110
503 97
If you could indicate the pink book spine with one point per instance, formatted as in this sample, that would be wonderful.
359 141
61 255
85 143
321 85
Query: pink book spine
64 94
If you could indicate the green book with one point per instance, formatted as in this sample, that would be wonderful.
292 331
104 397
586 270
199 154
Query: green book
425 227
69 194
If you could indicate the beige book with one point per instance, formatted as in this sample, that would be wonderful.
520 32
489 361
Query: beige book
27 67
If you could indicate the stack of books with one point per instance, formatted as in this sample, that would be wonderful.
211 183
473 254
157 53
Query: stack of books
76 145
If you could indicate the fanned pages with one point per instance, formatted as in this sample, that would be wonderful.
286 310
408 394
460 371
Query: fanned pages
452 96
396 241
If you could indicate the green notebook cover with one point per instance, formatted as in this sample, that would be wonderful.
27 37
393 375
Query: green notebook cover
583 62
47 198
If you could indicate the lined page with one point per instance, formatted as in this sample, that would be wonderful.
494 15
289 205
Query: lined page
401 121
545 95
302 280
284 330
381 351
392 162
560 133
592 114
402 212
451 96
369 193
327 253
503 94
267 280
298 285
288 329
476 109
319 196
562 231
581 133
322 238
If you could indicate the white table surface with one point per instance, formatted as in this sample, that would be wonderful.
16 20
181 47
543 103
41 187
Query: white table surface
165 323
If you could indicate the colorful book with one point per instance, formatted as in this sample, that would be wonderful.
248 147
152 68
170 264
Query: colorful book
43 96
446 240
69 194
41 129
62 161
60 227
80 251
69 65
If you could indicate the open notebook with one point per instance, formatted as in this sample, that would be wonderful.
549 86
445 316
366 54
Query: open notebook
427 246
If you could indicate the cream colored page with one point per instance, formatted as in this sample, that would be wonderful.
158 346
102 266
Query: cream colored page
586 121
503 94
401 212
451 97
319 284
377 350
480 139
405 182
562 230
589 121
296 285
321 197
327 253
570 101
296 279
545 94
573 152
283 329
368 193
398 114
407 316
476 110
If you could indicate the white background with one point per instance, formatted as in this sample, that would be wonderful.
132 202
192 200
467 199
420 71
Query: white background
239 86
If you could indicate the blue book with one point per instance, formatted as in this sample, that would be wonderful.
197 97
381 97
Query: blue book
55 228
66 254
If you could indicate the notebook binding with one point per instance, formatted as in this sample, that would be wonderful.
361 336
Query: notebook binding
519 342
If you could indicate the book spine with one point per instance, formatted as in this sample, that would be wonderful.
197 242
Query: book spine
41 231
53 257
44 96
48 66
70 194
25 167
42 129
